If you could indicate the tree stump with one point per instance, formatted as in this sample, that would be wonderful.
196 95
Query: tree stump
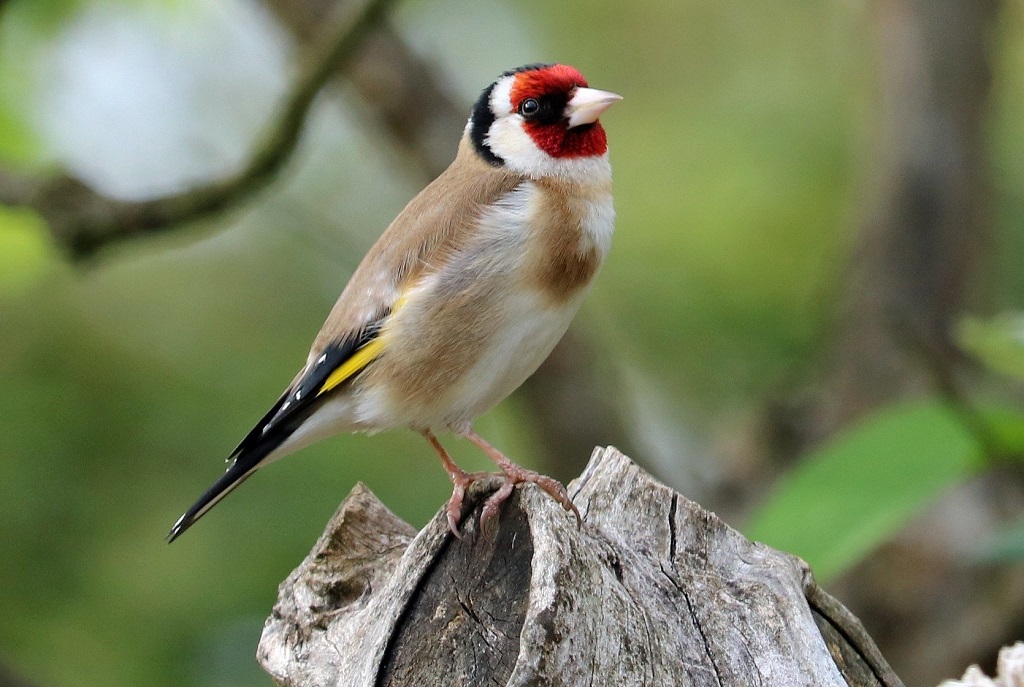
651 590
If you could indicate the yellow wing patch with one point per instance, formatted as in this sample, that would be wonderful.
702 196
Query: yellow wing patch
360 359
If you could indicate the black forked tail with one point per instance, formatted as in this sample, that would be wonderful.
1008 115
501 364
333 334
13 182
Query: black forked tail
235 475
244 465
303 397
264 439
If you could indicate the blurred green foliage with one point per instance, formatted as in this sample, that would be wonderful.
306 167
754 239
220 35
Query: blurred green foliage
738 153
1004 429
997 342
25 253
23 26
846 498
851 495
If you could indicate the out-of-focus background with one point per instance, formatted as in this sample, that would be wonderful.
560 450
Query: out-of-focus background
808 321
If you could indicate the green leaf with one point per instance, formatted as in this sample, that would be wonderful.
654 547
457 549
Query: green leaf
997 342
846 498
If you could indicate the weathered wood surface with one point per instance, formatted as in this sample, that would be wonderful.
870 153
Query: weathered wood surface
651 590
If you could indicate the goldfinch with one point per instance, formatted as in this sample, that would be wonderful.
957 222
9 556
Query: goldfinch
465 293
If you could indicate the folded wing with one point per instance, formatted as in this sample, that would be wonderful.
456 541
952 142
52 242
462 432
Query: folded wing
339 362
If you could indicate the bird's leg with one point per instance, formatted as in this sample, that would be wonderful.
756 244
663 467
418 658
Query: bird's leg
517 474
460 478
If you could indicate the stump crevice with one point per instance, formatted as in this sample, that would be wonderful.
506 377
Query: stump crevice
650 590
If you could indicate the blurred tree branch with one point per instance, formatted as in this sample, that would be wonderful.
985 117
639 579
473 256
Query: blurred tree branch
7 677
406 97
923 232
414 110
917 263
925 229
82 220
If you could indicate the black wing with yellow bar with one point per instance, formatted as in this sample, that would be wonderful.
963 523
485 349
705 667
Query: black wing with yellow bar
338 363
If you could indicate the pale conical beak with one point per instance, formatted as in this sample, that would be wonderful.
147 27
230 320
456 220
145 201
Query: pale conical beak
587 104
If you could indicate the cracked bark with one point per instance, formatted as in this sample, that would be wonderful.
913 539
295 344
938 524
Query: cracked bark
651 590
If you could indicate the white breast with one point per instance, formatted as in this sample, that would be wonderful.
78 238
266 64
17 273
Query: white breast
522 325
531 330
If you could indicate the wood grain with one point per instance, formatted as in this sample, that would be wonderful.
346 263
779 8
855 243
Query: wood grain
651 590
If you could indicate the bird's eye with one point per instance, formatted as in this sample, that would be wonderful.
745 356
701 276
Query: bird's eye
529 107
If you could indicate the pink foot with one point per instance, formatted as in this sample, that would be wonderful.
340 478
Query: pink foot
511 475
494 502
516 474
460 479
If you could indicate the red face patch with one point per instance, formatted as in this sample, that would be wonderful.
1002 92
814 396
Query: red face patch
555 85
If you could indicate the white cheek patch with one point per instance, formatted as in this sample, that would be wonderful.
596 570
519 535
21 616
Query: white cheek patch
501 97
507 139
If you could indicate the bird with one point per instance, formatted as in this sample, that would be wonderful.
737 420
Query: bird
464 294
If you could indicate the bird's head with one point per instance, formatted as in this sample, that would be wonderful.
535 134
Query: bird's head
541 120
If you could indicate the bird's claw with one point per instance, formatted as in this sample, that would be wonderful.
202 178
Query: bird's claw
515 474
549 485
461 481
454 509
511 474
493 504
